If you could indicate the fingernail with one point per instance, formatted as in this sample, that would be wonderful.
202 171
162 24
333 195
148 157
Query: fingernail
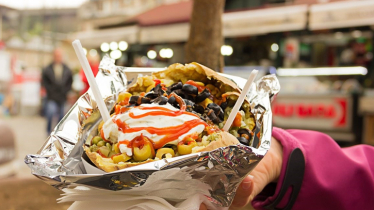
246 185
251 176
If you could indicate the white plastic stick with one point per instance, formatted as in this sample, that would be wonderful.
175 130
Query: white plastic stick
91 80
240 100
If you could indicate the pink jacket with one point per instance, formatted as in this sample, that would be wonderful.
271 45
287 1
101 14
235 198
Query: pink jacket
334 178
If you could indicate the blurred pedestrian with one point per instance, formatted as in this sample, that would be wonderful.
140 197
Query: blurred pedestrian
94 62
57 80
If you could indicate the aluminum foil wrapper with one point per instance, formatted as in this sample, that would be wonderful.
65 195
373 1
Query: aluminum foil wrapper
217 174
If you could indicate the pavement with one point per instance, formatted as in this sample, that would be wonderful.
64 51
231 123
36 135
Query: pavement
22 190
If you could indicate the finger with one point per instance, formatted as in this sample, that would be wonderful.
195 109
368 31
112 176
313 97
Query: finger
243 193
268 169
203 207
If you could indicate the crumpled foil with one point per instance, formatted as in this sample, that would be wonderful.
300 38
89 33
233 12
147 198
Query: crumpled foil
59 161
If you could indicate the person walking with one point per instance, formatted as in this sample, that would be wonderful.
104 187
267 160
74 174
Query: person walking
57 80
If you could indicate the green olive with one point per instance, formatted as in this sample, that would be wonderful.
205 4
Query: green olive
144 153
185 147
161 153
96 139
93 148
101 143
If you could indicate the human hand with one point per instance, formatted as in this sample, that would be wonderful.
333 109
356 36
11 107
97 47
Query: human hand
267 171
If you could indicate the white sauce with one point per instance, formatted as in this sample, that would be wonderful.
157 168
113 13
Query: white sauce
110 129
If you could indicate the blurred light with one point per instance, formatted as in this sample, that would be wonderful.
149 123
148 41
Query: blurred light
166 53
369 55
274 47
338 35
226 50
93 52
356 33
85 51
354 70
144 60
151 54
104 47
115 54
113 45
123 45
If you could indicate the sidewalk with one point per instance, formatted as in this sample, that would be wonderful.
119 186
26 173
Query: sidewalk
30 135
23 191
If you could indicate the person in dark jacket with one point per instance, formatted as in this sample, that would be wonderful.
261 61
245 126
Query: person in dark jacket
57 80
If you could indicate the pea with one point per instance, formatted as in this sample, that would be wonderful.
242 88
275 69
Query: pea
101 143
96 139
93 148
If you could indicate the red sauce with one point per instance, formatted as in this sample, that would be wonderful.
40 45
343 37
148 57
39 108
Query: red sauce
199 87
170 133
117 109
161 111
157 81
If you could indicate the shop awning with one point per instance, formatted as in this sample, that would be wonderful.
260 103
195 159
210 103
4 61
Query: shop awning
165 14
164 33
262 21
341 14
94 38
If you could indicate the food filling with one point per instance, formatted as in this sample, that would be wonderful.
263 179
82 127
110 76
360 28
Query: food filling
167 121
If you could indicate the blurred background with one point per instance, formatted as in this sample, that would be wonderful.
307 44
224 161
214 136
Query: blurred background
321 51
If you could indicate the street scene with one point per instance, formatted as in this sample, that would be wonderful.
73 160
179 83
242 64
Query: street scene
320 53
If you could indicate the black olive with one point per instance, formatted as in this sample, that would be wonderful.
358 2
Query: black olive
198 108
221 116
195 113
158 90
189 105
176 86
190 97
151 95
133 100
145 100
203 95
217 110
131 105
171 100
190 89
180 93
213 117
224 105
245 133
243 140
215 107
161 100
188 102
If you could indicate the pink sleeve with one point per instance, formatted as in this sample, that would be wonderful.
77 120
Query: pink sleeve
334 178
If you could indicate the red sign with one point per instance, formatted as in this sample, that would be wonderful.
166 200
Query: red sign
312 112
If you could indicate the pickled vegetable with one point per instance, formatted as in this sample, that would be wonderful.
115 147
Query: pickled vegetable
120 158
162 152
185 147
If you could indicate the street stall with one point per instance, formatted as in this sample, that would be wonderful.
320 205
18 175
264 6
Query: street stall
309 100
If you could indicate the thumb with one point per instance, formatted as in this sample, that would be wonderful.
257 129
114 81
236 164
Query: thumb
243 193
268 169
